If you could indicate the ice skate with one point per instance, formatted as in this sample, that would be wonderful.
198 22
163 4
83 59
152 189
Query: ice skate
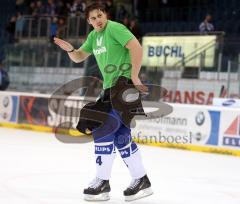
98 190
139 188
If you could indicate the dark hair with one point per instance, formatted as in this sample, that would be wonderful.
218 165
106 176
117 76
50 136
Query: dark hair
94 6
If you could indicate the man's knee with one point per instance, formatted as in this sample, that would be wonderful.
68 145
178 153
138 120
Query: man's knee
122 140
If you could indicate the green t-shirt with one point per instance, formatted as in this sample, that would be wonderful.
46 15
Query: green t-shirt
108 47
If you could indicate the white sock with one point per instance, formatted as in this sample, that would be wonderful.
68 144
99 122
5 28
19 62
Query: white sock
104 157
132 158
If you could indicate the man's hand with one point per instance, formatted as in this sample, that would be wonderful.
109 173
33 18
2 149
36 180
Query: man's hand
138 84
63 44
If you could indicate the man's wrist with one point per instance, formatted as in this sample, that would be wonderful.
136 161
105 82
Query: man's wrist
134 77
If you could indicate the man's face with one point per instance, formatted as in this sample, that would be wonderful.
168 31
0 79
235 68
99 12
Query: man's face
98 19
208 18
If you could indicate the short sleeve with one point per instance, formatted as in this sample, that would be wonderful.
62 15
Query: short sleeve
121 34
87 45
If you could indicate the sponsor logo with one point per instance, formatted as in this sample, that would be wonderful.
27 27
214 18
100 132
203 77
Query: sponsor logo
8 106
125 152
101 49
99 41
63 112
232 134
167 120
190 97
228 102
104 149
200 118
198 136
6 102
158 51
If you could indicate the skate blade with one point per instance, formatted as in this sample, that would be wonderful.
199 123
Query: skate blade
100 197
141 194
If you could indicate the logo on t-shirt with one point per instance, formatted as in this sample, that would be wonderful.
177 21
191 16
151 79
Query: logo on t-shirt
101 49
99 41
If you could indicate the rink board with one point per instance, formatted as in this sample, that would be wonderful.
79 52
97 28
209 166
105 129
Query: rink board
190 127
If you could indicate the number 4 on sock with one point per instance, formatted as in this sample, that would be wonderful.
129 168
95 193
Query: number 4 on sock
99 160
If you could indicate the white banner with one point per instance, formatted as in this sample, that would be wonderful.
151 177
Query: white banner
196 125
170 51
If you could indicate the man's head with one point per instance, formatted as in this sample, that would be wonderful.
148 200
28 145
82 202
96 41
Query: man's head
133 22
39 4
143 77
96 16
208 18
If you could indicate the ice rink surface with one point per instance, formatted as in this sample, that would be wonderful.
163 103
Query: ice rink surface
36 168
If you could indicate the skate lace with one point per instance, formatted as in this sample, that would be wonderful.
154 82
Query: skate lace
95 183
134 183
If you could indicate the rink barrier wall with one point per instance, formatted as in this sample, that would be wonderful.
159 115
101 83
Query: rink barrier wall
165 145
211 129
194 148
40 128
